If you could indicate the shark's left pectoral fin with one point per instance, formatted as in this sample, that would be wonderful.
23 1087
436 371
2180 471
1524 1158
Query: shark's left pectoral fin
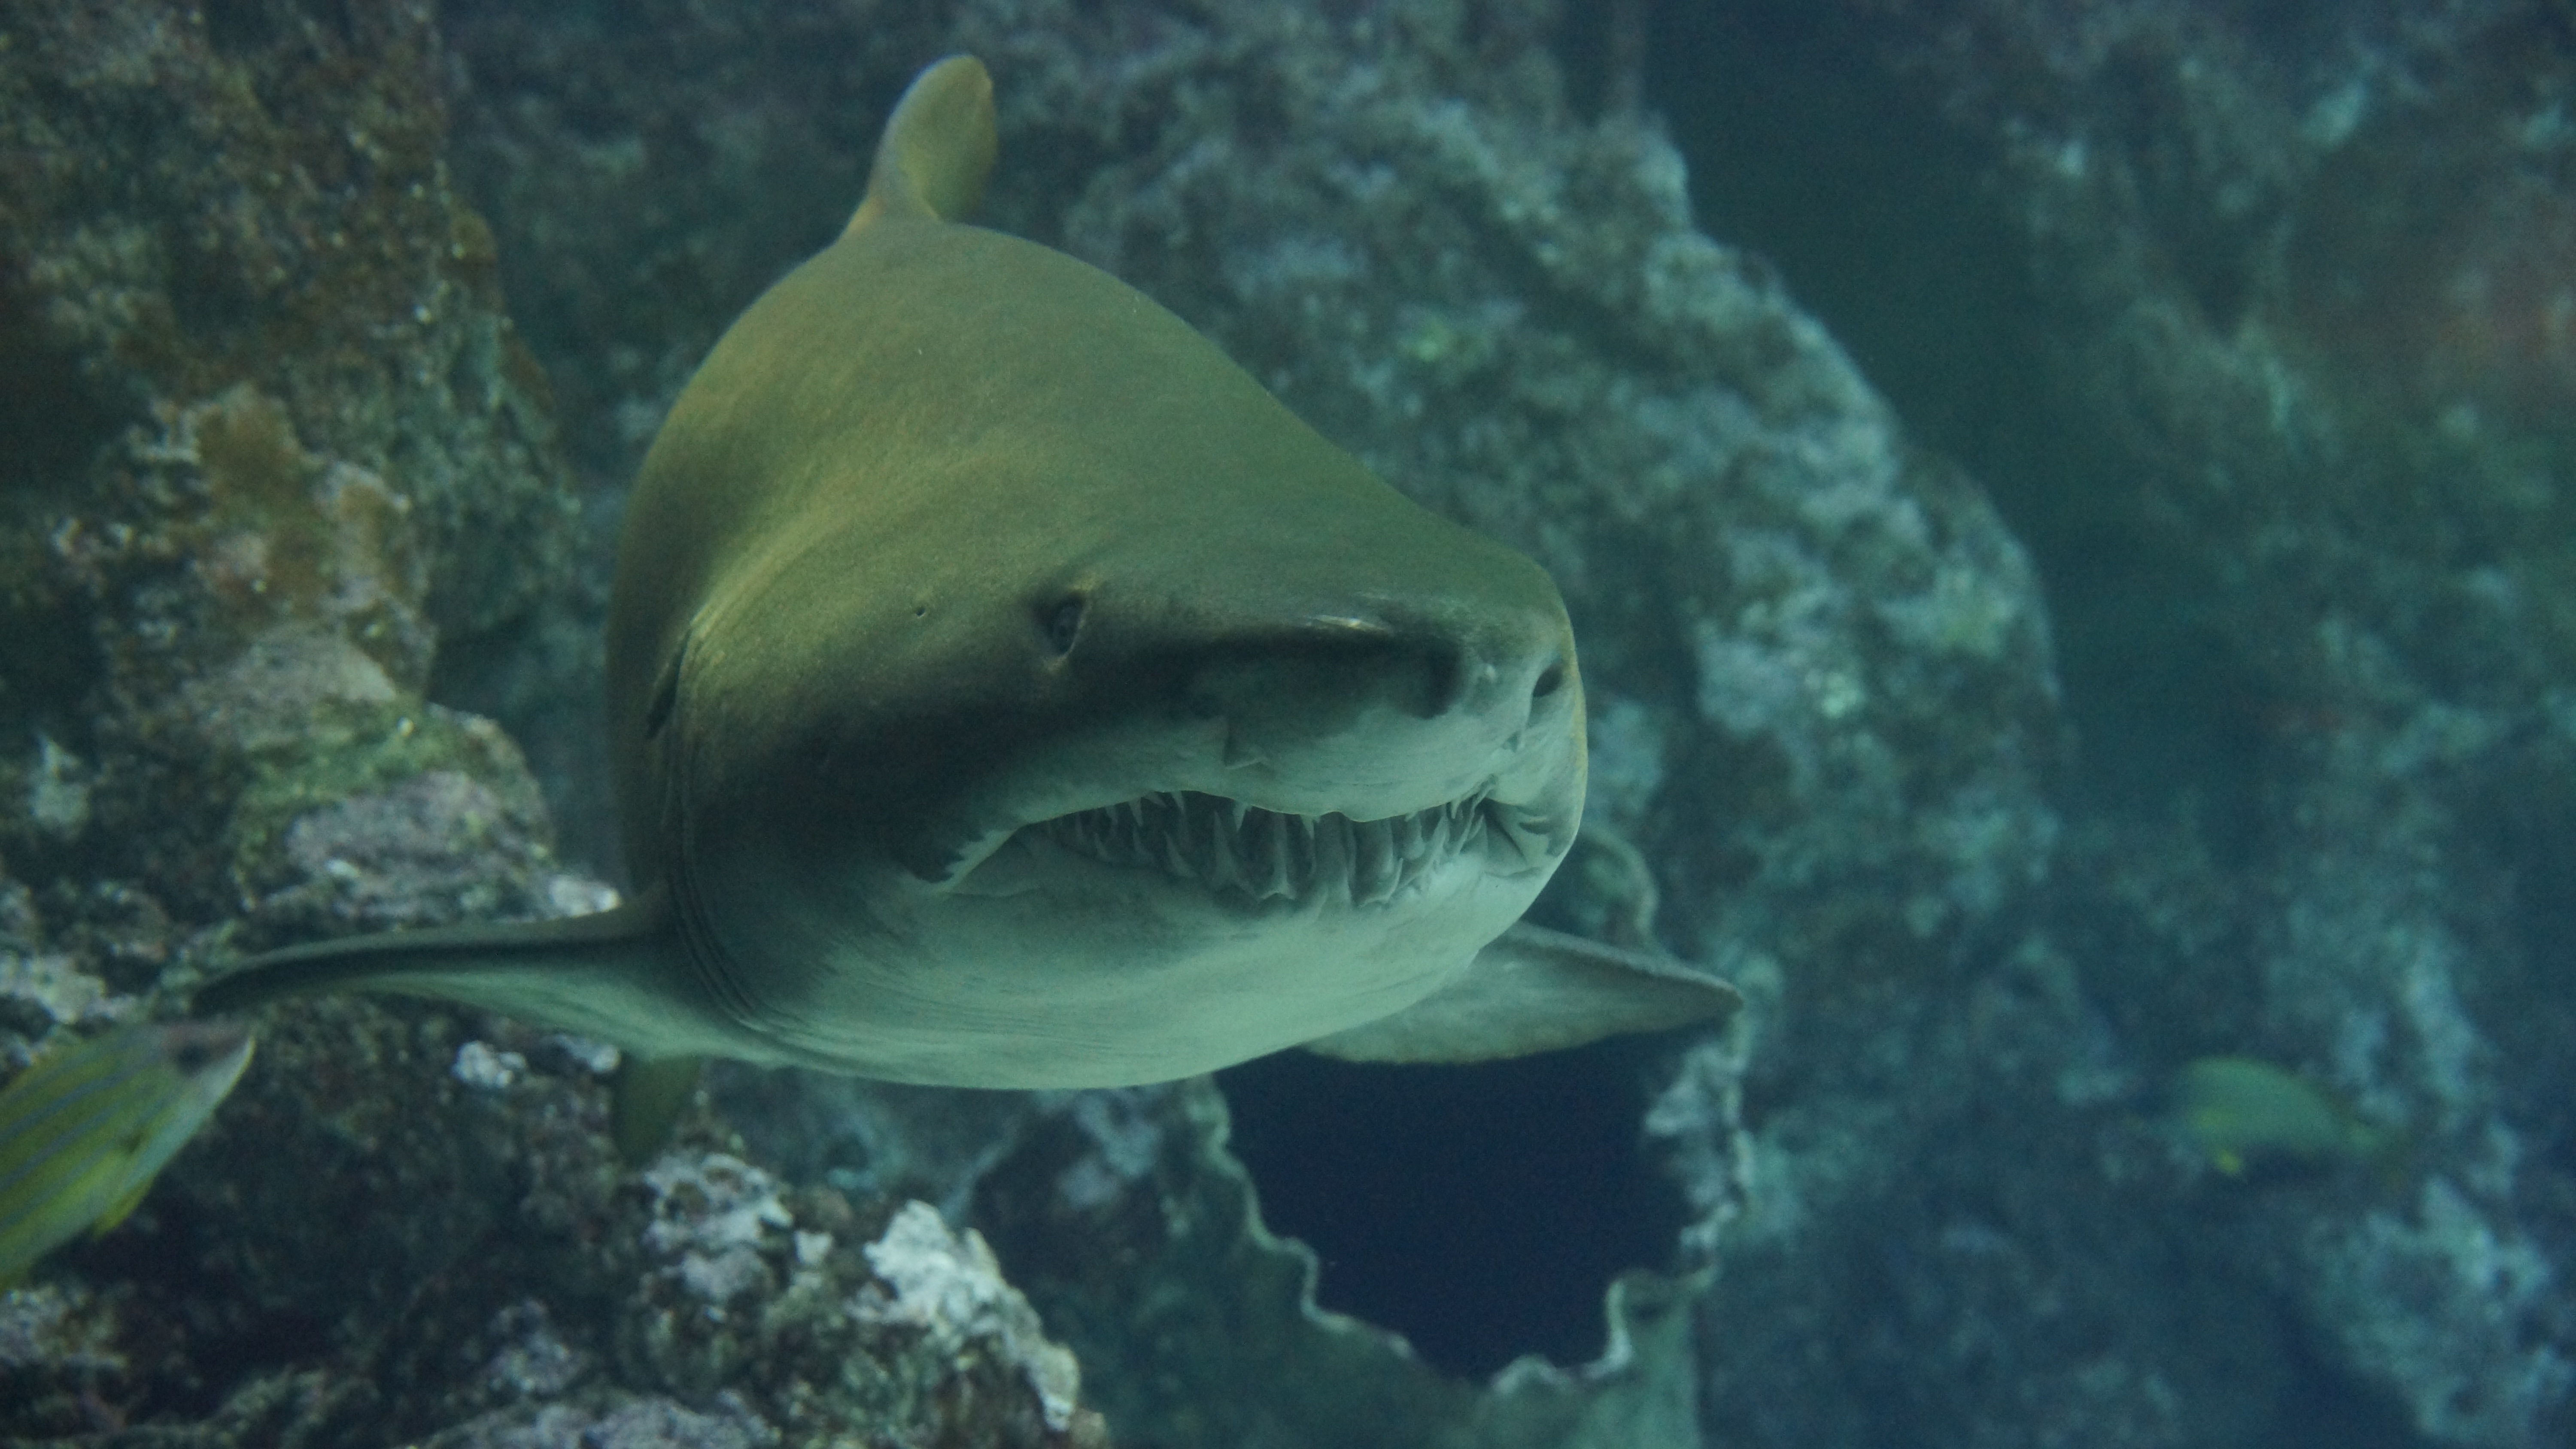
1537 990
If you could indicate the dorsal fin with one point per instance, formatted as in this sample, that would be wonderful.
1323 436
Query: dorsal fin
937 150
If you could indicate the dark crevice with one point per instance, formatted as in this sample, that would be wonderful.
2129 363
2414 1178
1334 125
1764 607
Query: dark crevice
1481 1210
51 423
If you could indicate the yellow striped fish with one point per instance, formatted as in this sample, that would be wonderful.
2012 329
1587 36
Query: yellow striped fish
85 1129
2243 1111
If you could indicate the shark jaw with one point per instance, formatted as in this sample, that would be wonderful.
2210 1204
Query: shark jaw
1246 856
1177 931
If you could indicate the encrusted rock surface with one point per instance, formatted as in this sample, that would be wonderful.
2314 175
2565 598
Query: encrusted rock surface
2287 434
2273 377
262 396
276 468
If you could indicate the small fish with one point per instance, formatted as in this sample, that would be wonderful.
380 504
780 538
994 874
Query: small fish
85 1129
2242 1111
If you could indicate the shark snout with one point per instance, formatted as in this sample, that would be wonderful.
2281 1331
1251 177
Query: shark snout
1419 671
1388 712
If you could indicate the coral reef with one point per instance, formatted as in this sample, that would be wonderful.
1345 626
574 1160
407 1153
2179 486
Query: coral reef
2255 326
2263 373
262 397
278 470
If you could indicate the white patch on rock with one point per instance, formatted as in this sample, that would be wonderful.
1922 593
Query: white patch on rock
951 1288
60 989
567 894
481 1065
58 791
1125 1141
711 1213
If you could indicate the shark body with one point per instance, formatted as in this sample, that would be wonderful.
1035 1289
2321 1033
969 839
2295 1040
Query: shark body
1006 691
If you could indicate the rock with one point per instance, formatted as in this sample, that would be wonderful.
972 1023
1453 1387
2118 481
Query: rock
278 472
2243 379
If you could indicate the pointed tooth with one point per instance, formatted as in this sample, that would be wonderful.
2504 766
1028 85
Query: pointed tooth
1372 861
1215 845
1223 869
1218 852
1156 837
1329 862
1250 868
1274 858
1234 813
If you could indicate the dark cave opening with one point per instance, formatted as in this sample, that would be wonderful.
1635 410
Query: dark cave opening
1480 1210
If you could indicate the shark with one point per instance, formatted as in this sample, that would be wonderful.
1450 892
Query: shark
1005 690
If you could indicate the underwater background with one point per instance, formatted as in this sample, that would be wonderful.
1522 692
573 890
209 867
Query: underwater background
2067 509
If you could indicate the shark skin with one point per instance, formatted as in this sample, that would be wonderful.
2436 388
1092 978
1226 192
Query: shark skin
1006 691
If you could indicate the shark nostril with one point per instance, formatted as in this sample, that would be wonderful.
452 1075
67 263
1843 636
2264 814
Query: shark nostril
1550 680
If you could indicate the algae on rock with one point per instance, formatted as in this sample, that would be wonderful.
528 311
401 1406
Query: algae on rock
276 465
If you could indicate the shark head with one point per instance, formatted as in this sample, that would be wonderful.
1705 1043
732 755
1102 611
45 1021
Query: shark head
1144 728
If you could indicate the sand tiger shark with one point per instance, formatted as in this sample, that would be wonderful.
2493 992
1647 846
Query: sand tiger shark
1006 691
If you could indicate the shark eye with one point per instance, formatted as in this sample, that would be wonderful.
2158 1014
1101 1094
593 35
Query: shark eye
1550 680
1063 624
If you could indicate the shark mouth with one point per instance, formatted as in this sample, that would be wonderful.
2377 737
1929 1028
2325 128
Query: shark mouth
1239 849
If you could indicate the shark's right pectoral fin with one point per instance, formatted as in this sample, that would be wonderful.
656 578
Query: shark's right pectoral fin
1537 990
618 975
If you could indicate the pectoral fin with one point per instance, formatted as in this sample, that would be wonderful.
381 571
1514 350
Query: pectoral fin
1537 990
621 975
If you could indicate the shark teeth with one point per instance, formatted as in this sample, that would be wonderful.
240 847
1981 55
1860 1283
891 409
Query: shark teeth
1240 849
